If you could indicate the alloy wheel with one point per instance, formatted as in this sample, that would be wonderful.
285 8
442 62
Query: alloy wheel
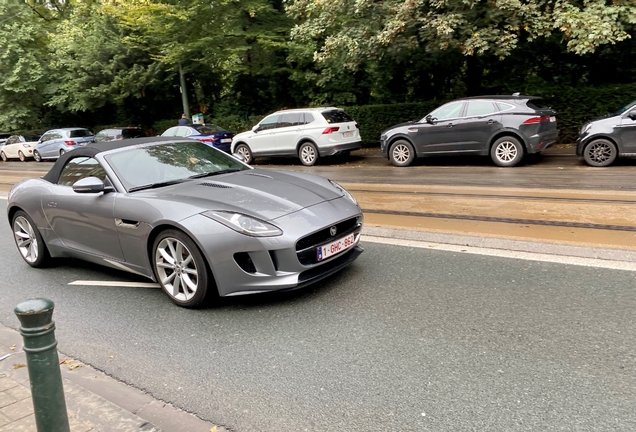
401 153
176 269
308 155
36 156
26 239
600 152
4 156
506 151
21 156
244 151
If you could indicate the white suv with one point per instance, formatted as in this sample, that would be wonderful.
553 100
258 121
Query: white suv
307 133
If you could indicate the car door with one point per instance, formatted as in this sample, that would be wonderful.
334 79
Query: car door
288 133
50 148
43 142
83 221
437 133
479 122
627 131
263 141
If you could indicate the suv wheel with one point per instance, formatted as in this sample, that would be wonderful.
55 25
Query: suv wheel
401 153
308 154
507 151
600 153
245 151
36 156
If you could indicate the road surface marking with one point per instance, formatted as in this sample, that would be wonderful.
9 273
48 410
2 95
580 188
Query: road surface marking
115 284
530 256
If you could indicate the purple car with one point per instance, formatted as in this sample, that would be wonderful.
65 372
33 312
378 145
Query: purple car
209 134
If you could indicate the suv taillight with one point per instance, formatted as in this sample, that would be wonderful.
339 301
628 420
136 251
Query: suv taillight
540 119
330 130
70 143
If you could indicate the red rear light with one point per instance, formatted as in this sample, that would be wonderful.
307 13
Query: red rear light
330 130
70 143
541 119
208 139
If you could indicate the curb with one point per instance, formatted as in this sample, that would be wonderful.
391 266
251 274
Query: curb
104 403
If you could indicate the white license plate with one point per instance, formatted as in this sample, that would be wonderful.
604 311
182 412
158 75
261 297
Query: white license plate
226 140
347 134
335 247
552 118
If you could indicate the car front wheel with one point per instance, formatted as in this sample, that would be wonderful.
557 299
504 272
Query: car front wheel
600 153
244 150
401 153
28 240
506 151
3 156
308 154
36 156
180 268
21 156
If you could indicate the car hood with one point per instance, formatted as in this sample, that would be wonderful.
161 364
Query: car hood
265 194
408 123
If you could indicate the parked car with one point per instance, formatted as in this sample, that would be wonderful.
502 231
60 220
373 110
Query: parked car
209 134
308 133
188 216
504 127
55 142
19 147
604 139
119 133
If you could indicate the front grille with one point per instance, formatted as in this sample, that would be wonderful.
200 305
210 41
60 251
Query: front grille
306 246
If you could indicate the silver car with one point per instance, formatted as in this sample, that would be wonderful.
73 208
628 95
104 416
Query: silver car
193 218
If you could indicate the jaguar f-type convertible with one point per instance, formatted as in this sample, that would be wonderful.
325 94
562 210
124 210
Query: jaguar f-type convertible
188 216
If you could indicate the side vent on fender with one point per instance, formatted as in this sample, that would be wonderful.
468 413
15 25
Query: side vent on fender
215 185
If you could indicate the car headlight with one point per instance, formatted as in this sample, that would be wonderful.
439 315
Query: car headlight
344 191
244 224
586 127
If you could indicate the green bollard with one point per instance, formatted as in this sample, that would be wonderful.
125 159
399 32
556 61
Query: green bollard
38 332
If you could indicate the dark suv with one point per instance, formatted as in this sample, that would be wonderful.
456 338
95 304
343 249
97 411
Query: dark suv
602 140
119 133
504 127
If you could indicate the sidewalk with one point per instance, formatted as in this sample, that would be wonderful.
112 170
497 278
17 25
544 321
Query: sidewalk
95 402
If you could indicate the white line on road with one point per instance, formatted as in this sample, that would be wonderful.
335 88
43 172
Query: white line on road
115 284
530 256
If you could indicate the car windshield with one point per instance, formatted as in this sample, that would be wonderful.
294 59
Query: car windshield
145 167
132 133
626 107
78 133
209 129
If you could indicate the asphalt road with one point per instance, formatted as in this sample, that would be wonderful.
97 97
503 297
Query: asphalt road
403 340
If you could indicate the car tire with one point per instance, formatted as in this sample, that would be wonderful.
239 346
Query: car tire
28 240
3 156
21 156
62 151
308 154
401 153
36 156
600 153
185 280
506 151
244 150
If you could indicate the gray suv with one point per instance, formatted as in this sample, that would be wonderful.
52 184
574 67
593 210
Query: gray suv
504 127
602 140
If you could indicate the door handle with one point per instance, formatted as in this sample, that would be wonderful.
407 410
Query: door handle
450 125
491 121
51 204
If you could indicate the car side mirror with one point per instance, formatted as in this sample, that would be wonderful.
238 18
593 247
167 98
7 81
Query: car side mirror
90 185
429 119
255 129
632 114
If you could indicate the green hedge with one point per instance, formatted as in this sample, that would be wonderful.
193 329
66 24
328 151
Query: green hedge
574 106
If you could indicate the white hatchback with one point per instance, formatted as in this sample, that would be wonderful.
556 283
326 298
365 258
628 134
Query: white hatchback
306 133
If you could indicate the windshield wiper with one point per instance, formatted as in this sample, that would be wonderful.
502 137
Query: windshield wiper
156 185
213 173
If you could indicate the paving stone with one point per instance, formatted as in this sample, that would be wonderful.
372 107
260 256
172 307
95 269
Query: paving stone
19 392
26 424
18 410
4 420
6 399
6 383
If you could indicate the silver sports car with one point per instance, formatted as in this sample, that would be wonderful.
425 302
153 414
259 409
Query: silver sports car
188 216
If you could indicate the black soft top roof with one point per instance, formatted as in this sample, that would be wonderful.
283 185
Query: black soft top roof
94 148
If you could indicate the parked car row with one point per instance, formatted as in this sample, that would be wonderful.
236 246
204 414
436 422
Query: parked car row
506 128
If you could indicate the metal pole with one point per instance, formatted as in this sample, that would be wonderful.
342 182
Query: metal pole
184 93
38 332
